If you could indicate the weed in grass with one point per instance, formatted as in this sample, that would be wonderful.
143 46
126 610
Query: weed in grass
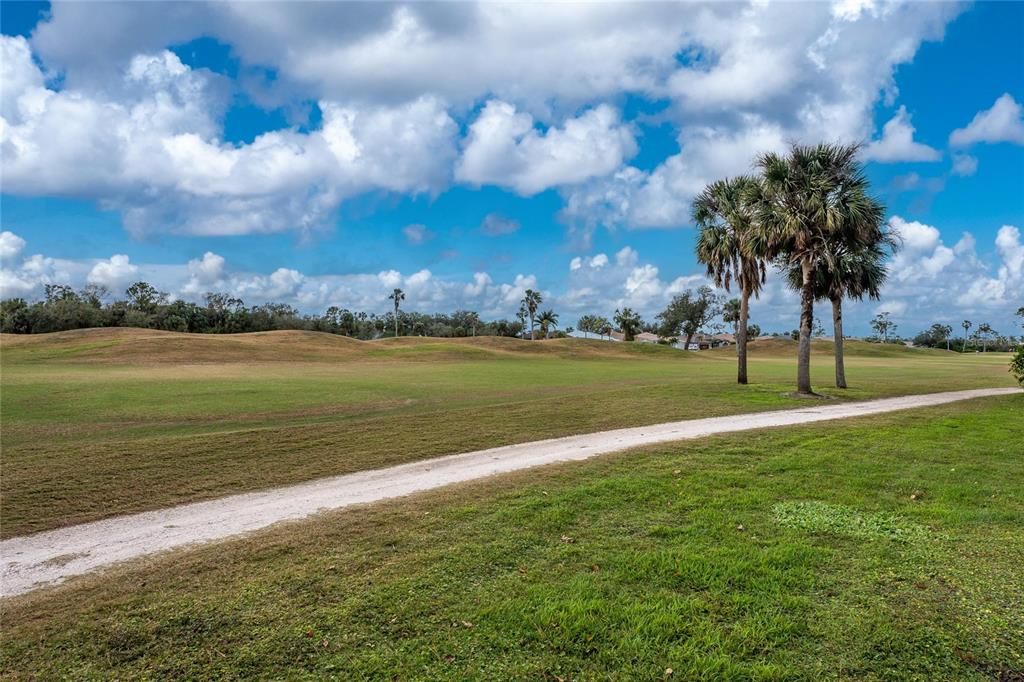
838 519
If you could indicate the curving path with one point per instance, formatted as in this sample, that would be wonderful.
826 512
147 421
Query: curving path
49 557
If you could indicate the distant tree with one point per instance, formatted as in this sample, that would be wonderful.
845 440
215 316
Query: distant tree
531 301
966 324
731 313
602 326
144 297
629 322
14 316
985 330
397 296
882 324
585 324
548 320
521 315
753 331
473 320
59 292
819 331
93 295
941 333
688 313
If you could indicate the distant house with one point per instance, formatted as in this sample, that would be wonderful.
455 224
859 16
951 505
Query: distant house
642 337
707 341
725 339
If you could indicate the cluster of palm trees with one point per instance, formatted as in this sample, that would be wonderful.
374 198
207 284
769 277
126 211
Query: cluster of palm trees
810 213
984 332
528 309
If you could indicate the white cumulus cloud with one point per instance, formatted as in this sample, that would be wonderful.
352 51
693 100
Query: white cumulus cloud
504 148
897 143
1003 122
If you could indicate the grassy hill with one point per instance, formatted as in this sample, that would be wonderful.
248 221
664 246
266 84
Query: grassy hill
149 346
122 420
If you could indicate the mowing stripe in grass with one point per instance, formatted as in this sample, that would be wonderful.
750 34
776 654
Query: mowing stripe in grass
53 556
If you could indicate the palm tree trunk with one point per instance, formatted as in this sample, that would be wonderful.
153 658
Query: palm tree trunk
533 333
396 320
837 323
803 369
741 338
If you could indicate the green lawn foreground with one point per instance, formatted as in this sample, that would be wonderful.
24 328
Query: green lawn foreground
887 547
87 435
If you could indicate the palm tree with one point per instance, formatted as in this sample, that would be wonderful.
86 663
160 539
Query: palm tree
629 322
521 316
941 332
547 319
846 273
723 215
585 324
531 300
397 296
807 201
966 324
984 330
473 319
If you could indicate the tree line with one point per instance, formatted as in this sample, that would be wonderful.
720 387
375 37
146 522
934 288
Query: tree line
63 308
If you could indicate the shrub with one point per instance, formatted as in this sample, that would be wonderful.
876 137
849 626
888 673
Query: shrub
1017 365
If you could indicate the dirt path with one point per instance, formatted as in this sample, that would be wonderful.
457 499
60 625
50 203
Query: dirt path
33 561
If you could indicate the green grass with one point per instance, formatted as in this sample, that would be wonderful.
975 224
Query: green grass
879 548
106 422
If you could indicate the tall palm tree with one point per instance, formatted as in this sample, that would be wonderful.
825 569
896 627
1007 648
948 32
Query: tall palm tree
629 322
941 332
531 301
847 273
984 330
397 296
966 324
521 315
807 200
548 320
473 319
724 218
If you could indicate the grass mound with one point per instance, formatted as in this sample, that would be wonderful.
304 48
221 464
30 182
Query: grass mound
150 346
778 347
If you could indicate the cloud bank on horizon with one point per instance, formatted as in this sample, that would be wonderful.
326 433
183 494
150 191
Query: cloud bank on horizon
550 104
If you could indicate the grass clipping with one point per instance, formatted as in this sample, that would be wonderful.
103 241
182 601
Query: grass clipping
837 519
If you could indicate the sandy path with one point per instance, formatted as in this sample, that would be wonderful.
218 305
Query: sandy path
32 561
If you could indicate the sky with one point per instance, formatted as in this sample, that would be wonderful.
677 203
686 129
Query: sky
322 154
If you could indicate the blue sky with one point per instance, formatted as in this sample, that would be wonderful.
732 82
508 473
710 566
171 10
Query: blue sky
321 154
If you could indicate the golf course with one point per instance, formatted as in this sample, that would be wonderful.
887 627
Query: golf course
879 547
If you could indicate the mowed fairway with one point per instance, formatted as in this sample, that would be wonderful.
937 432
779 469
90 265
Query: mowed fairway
886 547
104 422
